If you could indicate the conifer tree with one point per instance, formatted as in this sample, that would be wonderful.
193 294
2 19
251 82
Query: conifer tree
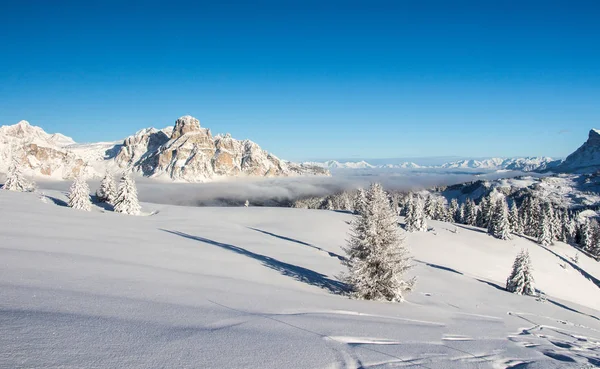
514 219
545 231
453 211
377 259
586 235
521 279
15 181
534 215
127 200
499 225
247 203
460 216
483 215
470 213
108 190
79 195
430 207
359 201
415 215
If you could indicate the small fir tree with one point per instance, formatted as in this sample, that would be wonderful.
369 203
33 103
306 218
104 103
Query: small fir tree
521 279
15 181
127 200
108 190
499 224
545 231
79 195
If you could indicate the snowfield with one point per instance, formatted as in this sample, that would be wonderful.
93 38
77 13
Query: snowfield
209 287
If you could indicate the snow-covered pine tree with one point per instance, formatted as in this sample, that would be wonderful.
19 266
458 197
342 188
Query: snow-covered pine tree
79 195
534 216
415 215
108 190
483 217
470 213
453 210
521 279
430 207
247 204
586 237
359 201
441 211
513 218
15 181
570 228
329 204
127 200
377 259
499 224
395 202
460 216
545 232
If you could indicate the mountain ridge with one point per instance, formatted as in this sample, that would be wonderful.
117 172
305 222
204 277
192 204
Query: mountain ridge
183 152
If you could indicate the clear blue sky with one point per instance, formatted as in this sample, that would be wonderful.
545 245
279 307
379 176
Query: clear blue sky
311 79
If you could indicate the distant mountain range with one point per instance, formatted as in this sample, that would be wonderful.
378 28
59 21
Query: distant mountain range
186 152
527 164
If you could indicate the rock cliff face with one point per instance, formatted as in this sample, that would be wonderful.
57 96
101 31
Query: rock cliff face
586 158
185 152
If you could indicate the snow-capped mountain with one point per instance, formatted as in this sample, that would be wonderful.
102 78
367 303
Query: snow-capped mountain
586 159
527 164
186 152
38 152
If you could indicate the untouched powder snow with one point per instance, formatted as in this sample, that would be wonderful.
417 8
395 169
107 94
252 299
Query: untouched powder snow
258 288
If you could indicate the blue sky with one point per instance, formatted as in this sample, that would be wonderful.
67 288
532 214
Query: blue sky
311 79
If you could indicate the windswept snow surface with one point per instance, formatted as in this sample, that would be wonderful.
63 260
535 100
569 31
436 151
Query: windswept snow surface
257 288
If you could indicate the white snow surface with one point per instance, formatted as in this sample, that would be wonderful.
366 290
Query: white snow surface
255 288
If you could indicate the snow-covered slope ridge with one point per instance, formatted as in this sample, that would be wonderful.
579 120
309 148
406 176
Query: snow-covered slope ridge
257 287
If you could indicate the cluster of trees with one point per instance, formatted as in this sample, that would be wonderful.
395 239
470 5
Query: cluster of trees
124 198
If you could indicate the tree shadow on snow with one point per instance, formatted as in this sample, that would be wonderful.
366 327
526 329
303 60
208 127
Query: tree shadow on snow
56 201
492 284
587 275
439 267
301 274
332 254
101 204
570 309
470 228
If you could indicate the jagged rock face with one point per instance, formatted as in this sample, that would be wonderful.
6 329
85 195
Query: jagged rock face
585 159
135 147
39 153
186 152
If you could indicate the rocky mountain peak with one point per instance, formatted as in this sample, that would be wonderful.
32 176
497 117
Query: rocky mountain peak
185 124
586 158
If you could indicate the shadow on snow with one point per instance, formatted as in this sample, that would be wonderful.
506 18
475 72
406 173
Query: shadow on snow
332 254
301 274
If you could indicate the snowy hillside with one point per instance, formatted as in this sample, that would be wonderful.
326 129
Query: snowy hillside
257 287
565 190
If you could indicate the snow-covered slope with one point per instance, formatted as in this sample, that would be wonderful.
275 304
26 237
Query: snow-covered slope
586 159
257 287
185 152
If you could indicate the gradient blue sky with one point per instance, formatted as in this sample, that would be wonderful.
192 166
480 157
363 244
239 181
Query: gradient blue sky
311 79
